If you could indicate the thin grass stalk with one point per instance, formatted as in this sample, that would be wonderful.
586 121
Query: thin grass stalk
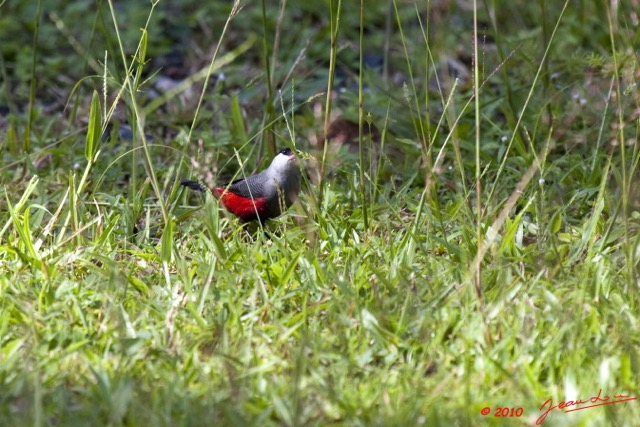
26 142
622 143
268 141
137 116
534 84
363 192
476 96
425 138
334 28
235 9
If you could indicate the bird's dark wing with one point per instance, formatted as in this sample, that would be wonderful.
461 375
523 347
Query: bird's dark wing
241 187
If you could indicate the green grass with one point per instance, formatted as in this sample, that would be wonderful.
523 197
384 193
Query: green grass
479 249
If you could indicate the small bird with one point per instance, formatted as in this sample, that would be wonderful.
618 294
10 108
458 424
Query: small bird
264 195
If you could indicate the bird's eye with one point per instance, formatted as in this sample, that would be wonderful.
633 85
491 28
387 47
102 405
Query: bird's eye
285 151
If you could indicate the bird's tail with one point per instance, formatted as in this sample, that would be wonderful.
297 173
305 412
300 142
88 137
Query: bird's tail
194 185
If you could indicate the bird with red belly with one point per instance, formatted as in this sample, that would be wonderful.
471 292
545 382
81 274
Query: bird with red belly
261 196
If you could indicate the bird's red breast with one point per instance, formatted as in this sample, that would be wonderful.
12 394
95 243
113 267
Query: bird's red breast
243 207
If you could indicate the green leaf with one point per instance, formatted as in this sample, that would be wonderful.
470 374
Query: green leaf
95 128
238 128
141 55
167 241
289 271
139 285
556 223
12 139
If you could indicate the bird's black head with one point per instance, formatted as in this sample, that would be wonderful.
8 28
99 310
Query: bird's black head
286 151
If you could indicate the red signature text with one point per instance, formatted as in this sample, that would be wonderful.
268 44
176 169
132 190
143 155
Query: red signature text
577 405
